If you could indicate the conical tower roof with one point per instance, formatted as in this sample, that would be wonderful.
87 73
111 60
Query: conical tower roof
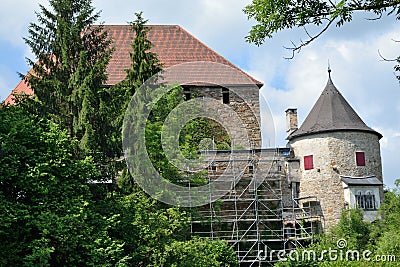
330 113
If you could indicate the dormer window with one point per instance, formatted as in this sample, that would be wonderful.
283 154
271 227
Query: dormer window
360 158
308 162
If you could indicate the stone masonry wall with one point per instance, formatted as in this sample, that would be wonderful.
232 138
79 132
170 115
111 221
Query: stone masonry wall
335 149
246 106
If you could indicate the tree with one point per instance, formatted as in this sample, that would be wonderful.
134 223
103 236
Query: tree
385 231
68 77
350 234
144 64
199 252
70 67
273 16
47 214
145 227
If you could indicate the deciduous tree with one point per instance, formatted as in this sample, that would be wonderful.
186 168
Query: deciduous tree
272 16
47 214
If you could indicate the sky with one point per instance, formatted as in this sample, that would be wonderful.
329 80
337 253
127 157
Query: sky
354 52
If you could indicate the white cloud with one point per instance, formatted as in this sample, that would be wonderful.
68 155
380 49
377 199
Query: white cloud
15 16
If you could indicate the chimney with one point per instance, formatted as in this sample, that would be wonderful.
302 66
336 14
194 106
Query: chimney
291 120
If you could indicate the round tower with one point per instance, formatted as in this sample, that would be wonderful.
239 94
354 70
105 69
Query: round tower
339 157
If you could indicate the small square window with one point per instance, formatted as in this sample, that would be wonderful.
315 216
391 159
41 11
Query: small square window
360 158
308 162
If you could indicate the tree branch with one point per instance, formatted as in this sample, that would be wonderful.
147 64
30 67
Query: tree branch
357 7
297 49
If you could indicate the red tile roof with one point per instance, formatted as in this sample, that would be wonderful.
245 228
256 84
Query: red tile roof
172 44
22 88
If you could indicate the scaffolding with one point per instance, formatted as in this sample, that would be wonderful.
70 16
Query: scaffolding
258 216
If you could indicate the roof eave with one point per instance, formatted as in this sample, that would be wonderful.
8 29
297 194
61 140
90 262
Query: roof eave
294 135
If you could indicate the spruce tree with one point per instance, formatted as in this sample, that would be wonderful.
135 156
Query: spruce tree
144 62
70 66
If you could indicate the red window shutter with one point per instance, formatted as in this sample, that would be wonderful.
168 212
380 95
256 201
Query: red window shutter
360 158
308 162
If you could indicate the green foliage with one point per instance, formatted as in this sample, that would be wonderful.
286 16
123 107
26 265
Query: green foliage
194 133
353 229
199 252
385 232
67 135
144 63
67 78
276 15
69 70
273 16
46 216
146 227
381 238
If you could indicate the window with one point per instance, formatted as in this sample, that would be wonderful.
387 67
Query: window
225 96
251 168
296 189
213 168
308 162
360 158
365 201
187 94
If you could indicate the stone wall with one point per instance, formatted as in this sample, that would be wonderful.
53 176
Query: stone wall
244 101
334 155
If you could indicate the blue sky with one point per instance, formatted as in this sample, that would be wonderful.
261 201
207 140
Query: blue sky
364 79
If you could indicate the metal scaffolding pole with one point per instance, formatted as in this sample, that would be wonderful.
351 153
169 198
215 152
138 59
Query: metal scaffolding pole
255 218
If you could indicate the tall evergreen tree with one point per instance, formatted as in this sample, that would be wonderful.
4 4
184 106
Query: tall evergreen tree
70 66
144 62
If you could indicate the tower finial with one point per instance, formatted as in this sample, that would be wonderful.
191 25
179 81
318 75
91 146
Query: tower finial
329 69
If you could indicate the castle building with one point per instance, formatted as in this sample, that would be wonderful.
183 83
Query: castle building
277 198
